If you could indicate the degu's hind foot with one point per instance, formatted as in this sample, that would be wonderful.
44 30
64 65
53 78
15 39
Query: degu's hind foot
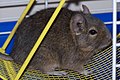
58 73
86 73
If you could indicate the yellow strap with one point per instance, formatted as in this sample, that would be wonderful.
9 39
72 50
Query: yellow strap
8 65
16 26
118 35
40 39
10 69
3 78
2 51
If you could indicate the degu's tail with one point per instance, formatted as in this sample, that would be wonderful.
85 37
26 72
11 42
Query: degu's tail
5 57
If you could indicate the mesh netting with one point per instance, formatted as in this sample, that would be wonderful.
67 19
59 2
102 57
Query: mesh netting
100 65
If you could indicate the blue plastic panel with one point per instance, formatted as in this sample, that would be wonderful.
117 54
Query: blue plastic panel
4 27
105 17
7 26
2 40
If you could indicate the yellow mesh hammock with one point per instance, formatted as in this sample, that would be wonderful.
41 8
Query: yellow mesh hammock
101 64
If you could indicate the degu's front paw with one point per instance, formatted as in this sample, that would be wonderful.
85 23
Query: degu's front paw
86 73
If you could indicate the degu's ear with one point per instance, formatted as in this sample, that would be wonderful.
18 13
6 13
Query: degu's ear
85 9
76 26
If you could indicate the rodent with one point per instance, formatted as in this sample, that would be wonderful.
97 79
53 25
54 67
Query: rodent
75 36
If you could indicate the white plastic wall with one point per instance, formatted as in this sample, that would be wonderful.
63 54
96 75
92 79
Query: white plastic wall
10 10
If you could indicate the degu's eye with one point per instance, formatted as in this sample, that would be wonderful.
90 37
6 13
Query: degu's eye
93 32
